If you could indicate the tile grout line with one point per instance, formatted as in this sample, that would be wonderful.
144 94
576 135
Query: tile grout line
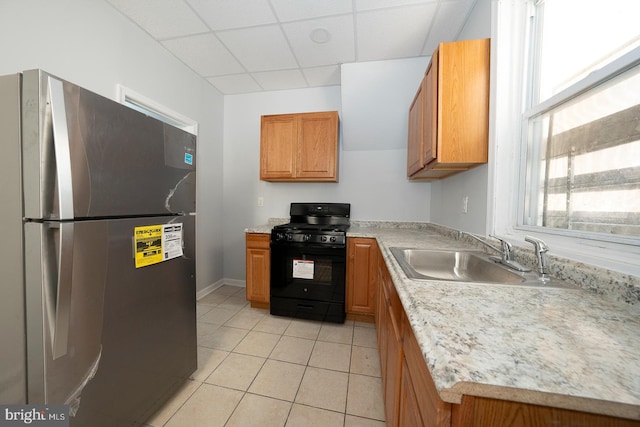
269 356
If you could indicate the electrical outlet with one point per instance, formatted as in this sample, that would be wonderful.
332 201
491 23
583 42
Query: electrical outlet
465 204
260 201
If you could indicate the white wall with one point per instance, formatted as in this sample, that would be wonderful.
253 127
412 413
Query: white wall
373 181
447 194
376 96
92 45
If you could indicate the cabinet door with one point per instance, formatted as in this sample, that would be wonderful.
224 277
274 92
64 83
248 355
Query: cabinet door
278 136
317 150
361 275
430 122
258 265
463 96
433 410
409 415
394 368
390 346
381 305
415 160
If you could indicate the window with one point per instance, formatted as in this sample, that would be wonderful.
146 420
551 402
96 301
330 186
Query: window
151 108
582 121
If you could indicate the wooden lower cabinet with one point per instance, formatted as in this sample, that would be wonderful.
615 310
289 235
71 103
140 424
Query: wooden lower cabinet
390 344
362 273
410 395
258 269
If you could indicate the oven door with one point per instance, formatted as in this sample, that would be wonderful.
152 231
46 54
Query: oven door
308 271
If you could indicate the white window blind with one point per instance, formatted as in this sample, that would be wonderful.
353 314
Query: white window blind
153 109
582 125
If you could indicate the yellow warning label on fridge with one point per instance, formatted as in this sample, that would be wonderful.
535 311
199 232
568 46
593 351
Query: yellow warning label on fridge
148 244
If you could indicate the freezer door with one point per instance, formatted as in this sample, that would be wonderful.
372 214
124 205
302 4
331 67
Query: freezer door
88 156
65 276
149 334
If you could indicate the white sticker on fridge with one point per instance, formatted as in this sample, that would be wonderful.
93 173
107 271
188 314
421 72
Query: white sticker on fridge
172 241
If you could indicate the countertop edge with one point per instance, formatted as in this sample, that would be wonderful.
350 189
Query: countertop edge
562 401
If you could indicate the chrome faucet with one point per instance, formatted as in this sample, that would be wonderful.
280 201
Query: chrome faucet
505 252
540 249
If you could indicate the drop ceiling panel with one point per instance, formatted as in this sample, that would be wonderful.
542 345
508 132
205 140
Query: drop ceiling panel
260 48
322 76
162 18
339 48
384 4
279 80
204 54
225 14
393 33
293 10
237 44
450 18
237 83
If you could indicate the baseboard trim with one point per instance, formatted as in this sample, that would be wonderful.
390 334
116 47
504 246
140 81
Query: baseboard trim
366 318
212 287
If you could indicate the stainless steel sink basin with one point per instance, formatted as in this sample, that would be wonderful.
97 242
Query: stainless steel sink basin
463 266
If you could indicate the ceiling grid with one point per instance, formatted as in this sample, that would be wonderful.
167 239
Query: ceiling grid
244 46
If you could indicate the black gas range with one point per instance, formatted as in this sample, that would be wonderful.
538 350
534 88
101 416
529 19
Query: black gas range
308 262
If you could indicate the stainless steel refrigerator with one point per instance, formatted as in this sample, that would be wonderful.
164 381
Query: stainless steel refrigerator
97 301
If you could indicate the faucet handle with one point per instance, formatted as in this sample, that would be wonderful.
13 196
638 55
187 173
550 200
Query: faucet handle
506 248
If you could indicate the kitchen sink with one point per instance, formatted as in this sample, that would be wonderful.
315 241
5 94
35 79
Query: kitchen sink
464 266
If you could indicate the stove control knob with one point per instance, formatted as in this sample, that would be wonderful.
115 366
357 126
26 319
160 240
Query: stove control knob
324 238
289 236
306 237
333 239
279 236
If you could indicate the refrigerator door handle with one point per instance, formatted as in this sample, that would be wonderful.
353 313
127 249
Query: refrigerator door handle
62 320
61 149
66 212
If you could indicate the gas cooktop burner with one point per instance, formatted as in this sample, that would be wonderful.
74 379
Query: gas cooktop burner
318 228
321 223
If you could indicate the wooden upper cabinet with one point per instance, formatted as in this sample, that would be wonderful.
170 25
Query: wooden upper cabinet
299 147
452 133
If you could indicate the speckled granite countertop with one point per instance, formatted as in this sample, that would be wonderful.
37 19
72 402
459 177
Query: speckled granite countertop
572 349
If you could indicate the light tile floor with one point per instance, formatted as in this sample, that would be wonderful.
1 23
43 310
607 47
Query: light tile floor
255 369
